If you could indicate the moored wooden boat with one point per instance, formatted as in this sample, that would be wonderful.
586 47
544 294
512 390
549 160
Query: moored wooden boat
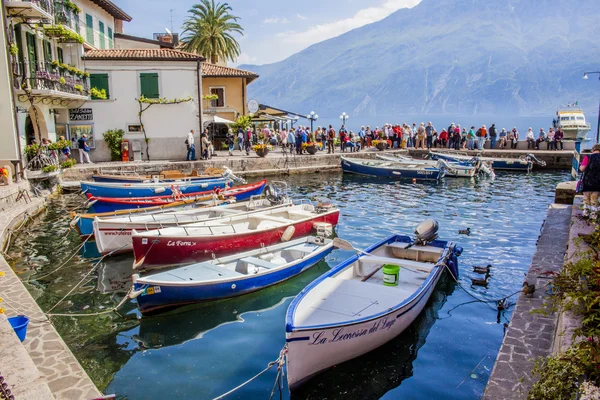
117 189
524 164
111 208
349 311
162 176
107 204
388 169
204 240
462 169
228 276
113 235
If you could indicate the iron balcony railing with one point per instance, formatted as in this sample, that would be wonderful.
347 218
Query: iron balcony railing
46 5
45 76
65 16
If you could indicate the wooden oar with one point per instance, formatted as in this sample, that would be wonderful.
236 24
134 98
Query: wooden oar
345 245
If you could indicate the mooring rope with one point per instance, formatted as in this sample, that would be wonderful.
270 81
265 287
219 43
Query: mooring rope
279 362
35 278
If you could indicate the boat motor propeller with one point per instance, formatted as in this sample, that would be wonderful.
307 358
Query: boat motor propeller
426 232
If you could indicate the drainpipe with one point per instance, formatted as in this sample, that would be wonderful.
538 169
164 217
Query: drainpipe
243 96
199 84
12 95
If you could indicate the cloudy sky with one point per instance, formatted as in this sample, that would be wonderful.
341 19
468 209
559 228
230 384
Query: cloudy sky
273 29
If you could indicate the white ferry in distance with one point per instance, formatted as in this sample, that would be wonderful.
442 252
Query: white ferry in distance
573 123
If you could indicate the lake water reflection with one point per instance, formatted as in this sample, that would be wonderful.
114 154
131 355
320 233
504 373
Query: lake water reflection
201 351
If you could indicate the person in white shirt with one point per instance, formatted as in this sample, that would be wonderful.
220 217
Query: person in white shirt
530 139
191 154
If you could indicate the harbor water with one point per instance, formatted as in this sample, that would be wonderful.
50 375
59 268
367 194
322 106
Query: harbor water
202 351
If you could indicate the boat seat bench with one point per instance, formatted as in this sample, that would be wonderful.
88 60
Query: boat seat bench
397 261
259 263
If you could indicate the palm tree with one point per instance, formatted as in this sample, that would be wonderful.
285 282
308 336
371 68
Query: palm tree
208 31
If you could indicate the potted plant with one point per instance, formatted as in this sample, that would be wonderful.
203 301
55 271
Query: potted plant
380 144
310 147
262 149
4 176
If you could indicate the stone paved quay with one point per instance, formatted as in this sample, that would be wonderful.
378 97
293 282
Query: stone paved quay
531 335
276 163
47 369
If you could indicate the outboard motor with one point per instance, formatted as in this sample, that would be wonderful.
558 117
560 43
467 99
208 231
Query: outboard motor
426 231
229 174
534 160
272 194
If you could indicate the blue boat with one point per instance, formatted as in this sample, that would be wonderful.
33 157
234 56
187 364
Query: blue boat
168 176
112 189
228 276
523 164
388 169
114 208
365 301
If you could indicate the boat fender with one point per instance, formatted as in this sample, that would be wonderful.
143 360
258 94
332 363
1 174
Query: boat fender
288 234
159 190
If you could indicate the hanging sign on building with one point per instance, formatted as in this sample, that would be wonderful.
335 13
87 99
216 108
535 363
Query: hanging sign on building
81 114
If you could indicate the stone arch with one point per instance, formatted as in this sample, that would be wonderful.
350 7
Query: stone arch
39 123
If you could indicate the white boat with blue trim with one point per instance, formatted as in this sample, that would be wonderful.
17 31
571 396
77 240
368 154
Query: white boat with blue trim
349 311
462 169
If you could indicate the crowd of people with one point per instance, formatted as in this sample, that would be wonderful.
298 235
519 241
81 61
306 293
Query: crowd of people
422 136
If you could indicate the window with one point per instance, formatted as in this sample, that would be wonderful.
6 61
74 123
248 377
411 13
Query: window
59 53
220 102
564 118
99 81
110 38
580 118
149 85
134 128
101 34
89 29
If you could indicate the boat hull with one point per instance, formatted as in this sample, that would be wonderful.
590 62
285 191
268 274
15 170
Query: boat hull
395 172
497 163
126 179
144 190
166 296
107 204
313 351
456 169
157 251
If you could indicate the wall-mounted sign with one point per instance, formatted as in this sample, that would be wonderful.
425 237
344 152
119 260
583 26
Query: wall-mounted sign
253 106
81 114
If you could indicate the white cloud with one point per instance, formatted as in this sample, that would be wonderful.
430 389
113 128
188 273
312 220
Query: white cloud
276 20
300 16
245 58
365 16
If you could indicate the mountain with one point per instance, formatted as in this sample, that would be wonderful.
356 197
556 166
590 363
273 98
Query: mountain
504 57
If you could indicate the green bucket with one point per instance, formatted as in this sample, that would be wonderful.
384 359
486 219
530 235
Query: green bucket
390 274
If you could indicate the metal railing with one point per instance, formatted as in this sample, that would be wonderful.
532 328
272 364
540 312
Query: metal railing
45 76
65 16
46 5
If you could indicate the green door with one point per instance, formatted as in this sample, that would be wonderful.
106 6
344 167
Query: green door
31 54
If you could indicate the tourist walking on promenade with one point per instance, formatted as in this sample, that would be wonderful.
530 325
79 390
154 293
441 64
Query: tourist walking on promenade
481 135
343 133
369 136
204 146
330 140
421 136
471 139
83 149
558 139
514 140
550 143
530 139
541 138
591 181
299 140
429 133
502 137
67 150
291 140
191 148
240 137
362 136
460 139
493 135
230 141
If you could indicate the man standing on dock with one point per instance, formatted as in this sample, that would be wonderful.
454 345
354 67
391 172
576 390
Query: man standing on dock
330 140
191 154
429 132
493 135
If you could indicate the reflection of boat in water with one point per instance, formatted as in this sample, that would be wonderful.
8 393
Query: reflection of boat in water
191 322
572 121
114 275
386 367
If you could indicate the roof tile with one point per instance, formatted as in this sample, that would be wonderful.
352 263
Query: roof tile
212 70
141 55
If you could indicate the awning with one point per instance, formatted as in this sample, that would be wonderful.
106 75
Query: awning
207 119
270 113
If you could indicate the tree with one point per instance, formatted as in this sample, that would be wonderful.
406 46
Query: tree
209 30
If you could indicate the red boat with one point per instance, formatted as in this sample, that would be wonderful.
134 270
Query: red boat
205 240
107 204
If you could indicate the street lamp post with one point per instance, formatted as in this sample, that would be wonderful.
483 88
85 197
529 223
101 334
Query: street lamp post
585 76
344 117
312 117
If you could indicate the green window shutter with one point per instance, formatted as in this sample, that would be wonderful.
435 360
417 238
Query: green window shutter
110 38
89 29
149 85
47 52
18 41
100 81
101 34
59 53
31 53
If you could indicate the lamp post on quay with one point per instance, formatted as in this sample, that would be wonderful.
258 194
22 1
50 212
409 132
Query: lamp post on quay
344 117
585 76
312 117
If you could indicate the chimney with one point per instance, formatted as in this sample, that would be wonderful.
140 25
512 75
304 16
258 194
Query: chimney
118 26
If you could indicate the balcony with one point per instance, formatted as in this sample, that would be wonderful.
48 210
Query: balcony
66 16
52 84
30 10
